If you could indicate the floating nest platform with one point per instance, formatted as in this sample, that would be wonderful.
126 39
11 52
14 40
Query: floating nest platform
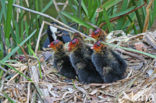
139 85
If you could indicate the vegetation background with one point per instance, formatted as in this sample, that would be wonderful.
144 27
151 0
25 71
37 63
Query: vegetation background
19 29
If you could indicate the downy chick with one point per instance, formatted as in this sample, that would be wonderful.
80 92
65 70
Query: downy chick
61 60
83 66
109 64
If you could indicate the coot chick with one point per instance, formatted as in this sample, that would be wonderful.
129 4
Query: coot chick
61 60
109 64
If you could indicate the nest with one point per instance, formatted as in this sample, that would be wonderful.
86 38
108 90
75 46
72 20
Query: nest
48 86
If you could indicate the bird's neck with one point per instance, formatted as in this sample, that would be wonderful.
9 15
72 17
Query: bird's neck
60 52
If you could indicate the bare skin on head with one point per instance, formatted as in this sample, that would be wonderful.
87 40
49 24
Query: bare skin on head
98 34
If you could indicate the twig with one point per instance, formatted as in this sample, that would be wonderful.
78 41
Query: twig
28 96
22 69
118 17
3 69
39 36
59 27
57 8
130 54
24 52
55 4
147 16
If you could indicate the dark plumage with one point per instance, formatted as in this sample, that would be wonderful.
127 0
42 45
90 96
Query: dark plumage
82 64
61 60
109 64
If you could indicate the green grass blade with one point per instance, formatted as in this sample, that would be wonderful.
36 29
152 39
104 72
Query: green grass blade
37 60
16 48
132 50
3 63
109 3
106 18
3 9
138 17
84 7
9 98
154 11
47 6
123 12
121 21
134 27
76 19
8 20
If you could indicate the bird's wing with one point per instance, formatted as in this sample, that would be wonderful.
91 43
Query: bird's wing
80 65
59 65
106 70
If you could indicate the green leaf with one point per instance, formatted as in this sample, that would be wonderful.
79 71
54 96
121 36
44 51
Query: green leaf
139 18
9 98
132 50
109 3
76 19
17 47
154 12
123 12
3 63
8 20
30 49
121 21
106 18
47 6
3 10
84 7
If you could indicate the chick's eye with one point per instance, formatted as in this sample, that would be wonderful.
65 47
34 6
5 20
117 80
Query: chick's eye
74 41
98 44
96 32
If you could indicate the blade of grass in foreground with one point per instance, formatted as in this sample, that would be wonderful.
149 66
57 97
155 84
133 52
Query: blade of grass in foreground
17 47
3 63
106 18
7 27
9 99
110 3
37 60
138 17
133 50
154 12
3 9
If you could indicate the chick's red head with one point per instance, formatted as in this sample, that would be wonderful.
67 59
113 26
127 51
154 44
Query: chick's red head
96 33
98 46
73 44
56 45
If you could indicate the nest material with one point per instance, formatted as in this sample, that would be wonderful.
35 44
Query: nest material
139 85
